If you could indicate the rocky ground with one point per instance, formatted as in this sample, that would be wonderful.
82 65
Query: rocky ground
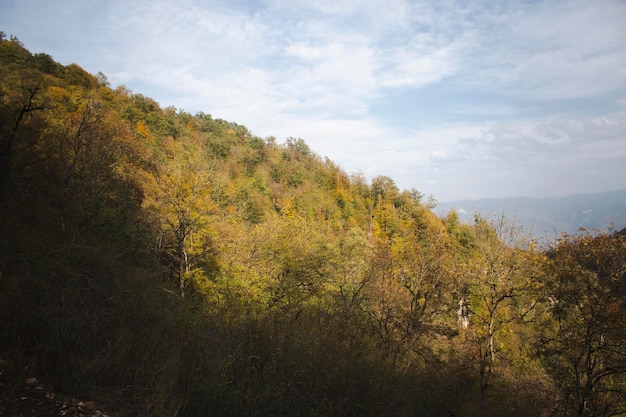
27 397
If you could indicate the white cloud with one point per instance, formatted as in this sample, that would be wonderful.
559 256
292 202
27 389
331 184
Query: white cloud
438 95
413 68
322 65
548 140
552 50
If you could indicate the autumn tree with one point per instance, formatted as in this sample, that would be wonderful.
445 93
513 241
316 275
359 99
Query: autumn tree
411 280
180 202
292 258
426 275
351 271
585 346
21 97
493 285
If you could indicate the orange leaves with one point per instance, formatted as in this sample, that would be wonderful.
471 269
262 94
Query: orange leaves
58 95
143 130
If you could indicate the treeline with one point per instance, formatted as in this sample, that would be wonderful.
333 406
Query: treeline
168 264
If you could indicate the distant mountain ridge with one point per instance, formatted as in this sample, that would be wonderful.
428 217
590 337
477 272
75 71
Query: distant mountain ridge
547 217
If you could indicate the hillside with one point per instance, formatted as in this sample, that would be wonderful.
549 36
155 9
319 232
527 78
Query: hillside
548 217
159 263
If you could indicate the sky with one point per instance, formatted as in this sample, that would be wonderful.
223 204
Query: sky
457 99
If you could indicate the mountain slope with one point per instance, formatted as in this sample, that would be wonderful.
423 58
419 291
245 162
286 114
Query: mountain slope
161 263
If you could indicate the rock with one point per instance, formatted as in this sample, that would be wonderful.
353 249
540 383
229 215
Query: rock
31 381
86 405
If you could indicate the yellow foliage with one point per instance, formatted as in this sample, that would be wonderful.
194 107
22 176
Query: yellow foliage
287 207
143 130
169 145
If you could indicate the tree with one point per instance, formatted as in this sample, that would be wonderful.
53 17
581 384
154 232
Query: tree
21 96
411 276
293 258
585 347
383 186
180 201
494 283
351 271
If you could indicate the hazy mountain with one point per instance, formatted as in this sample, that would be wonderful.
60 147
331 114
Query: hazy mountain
546 217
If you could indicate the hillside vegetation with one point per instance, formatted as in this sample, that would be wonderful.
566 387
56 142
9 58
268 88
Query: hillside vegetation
170 264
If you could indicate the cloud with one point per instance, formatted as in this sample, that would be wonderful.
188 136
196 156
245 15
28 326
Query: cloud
335 64
202 41
452 97
528 140
532 157
411 67
552 50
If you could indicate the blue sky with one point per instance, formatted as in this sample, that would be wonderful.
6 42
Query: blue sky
458 99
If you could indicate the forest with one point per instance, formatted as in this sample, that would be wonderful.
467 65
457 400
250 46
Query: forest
174 264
